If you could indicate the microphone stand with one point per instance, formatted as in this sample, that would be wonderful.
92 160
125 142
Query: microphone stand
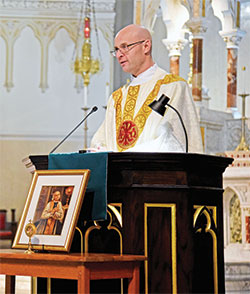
182 123
85 109
94 109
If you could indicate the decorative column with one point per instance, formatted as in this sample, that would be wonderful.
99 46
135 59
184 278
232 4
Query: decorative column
137 11
198 27
10 31
174 16
232 40
174 48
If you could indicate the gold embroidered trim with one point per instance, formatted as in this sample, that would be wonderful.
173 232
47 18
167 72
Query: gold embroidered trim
125 138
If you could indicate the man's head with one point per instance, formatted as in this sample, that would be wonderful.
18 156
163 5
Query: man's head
133 45
56 195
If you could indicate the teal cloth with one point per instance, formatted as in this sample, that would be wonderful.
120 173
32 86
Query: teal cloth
97 163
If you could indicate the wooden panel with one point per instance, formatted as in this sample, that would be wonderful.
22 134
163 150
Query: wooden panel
185 181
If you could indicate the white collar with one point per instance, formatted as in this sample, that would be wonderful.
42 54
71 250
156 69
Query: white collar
144 76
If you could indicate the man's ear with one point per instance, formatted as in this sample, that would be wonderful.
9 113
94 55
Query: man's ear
147 46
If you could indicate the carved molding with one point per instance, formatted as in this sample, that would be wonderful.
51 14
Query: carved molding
237 277
222 131
246 210
44 31
237 269
198 27
242 191
232 38
175 47
67 5
233 129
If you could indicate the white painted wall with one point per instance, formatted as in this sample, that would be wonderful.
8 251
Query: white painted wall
29 112
32 122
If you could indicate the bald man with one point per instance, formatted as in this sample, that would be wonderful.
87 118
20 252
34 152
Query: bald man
130 125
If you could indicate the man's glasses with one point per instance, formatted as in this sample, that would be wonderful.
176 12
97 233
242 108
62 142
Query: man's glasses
124 48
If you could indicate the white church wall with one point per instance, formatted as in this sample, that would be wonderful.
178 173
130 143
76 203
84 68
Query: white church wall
28 111
215 64
32 122
121 20
244 61
159 51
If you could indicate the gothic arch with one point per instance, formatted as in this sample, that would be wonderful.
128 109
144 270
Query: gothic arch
225 11
150 14
232 203
234 189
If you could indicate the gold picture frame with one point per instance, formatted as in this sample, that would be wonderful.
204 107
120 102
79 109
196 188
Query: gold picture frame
53 205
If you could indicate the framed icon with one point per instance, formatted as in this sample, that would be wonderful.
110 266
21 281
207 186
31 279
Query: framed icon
53 205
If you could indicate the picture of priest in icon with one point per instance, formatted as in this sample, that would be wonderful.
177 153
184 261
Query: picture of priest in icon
51 209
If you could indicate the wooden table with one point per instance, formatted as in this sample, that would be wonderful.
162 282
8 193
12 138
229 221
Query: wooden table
83 268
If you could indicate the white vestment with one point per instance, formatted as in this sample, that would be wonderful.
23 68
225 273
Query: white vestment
160 133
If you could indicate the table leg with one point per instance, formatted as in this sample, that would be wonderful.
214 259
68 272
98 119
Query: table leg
83 280
134 283
10 284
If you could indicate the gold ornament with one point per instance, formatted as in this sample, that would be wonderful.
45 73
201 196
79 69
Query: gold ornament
30 230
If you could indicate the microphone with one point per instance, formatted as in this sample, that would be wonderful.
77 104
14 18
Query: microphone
159 106
94 109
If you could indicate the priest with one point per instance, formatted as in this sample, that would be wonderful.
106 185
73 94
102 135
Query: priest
130 124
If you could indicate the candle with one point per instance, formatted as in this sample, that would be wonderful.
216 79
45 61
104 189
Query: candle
244 79
86 27
85 102
107 93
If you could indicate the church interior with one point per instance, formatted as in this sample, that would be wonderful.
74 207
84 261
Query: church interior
45 92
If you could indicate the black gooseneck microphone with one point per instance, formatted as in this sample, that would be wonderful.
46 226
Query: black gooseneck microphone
94 109
159 106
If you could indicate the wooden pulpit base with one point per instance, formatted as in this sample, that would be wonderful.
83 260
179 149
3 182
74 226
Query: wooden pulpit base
83 268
